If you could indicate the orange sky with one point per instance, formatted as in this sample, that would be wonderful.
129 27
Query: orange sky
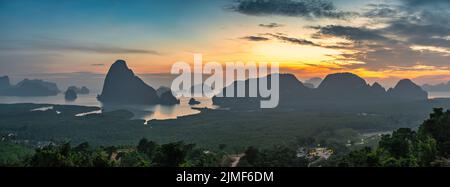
90 37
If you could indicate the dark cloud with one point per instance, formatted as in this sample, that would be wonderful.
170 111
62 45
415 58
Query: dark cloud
425 2
417 34
435 42
298 41
403 28
255 38
379 52
351 33
392 47
97 64
433 16
385 56
380 11
295 8
281 37
412 23
399 56
270 25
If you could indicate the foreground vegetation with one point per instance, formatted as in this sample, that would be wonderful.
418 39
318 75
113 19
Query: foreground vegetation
12 154
428 146
146 154
237 129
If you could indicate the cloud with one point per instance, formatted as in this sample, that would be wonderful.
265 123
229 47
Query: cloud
94 49
425 2
270 25
64 45
408 29
435 42
294 8
281 37
380 11
255 38
411 36
100 49
298 41
351 33
97 64
420 34
414 22
390 47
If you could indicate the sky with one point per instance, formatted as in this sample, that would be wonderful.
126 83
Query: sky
380 40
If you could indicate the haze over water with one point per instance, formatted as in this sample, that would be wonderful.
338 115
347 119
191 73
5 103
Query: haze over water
147 113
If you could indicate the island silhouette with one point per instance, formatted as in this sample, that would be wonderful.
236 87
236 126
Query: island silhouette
122 86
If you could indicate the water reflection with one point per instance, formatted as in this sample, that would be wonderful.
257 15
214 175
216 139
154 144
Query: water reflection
88 113
146 112
162 112
42 109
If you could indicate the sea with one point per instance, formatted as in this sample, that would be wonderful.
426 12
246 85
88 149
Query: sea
434 95
145 112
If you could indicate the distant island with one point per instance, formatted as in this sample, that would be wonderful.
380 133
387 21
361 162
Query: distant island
70 95
82 90
337 89
122 86
27 88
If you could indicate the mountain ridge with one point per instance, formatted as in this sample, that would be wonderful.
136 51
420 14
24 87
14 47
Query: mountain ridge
339 88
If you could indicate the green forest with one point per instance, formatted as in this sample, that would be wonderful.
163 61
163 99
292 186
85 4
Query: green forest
429 146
